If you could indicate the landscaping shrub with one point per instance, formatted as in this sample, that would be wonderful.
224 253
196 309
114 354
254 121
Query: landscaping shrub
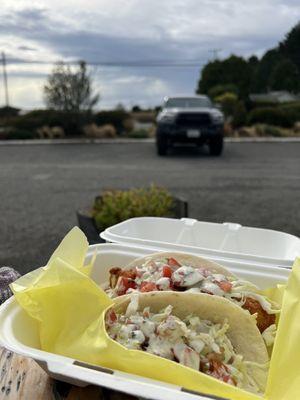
292 111
138 134
268 130
21 134
114 206
239 115
70 122
270 116
228 102
128 125
99 132
261 104
47 132
296 128
218 90
115 118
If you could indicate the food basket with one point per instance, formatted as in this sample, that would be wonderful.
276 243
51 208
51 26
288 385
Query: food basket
19 333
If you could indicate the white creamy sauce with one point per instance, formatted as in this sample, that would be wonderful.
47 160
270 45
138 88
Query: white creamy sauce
190 342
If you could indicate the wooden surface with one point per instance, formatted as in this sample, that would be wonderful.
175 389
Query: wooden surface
23 379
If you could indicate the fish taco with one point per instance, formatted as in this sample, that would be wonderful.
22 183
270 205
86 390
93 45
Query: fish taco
208 334
181 272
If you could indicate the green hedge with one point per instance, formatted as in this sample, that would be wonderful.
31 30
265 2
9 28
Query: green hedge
70 122
253 105
292 111
271 116
23 134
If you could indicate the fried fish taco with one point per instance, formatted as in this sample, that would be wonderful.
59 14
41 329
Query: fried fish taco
206 333
183 272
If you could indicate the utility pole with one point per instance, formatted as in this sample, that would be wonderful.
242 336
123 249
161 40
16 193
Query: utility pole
215 53
5 79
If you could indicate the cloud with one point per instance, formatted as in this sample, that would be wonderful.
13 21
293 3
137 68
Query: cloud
26 48
116 30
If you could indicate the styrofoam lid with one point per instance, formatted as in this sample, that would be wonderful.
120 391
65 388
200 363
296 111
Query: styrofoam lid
227 240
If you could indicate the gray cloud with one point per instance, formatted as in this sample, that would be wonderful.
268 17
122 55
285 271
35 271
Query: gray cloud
40 31
26 48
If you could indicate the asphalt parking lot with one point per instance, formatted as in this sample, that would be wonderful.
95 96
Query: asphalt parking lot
255 184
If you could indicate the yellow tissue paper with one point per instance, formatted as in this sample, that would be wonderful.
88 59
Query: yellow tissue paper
71 307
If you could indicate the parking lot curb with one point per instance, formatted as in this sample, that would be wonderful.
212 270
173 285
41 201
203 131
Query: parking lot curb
128 141
72 141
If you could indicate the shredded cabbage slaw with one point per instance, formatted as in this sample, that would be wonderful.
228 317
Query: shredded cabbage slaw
193 342
168 274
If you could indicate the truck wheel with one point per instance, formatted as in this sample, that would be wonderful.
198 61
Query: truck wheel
161 145
216 146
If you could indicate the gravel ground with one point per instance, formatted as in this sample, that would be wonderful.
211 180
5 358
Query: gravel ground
255 184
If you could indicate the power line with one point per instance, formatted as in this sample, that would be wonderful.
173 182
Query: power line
119 63
5 79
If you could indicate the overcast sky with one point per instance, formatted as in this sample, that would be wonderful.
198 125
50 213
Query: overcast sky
130 30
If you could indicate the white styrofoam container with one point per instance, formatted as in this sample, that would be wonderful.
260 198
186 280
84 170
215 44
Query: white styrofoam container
19 333
227 240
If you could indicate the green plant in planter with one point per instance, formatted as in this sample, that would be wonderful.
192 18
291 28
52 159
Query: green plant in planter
114 206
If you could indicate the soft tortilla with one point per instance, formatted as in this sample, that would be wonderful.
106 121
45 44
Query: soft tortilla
243 332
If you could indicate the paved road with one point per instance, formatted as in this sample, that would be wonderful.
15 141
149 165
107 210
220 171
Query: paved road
255 184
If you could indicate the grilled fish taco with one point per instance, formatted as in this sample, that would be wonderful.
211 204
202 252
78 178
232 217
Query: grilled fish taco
182 272
206 333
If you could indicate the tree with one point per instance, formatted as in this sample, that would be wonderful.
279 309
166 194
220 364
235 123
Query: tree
136 108
261 79
285 76
211 75
290 47
253 61
231 71
70 90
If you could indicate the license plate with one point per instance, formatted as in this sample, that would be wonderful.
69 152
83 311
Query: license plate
193 133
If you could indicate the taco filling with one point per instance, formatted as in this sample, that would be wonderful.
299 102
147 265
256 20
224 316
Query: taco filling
167 274
193 342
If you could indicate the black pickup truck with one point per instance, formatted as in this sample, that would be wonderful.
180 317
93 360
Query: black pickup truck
189 120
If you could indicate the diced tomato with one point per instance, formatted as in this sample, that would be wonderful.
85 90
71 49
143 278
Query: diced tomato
148 287
124 284
173 263
167 271
129 273
229 379
225 286
111 317
115 273
220 371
